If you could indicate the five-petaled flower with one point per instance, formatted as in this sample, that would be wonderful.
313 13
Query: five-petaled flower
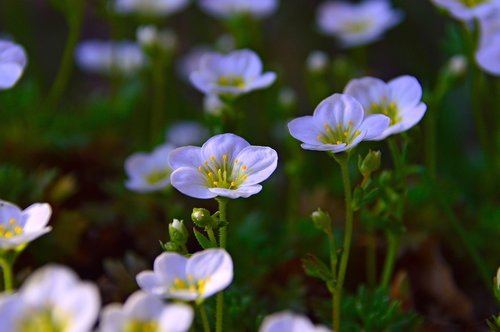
12 62
231 75
230 8
52 299
357 24
20 227
338 124
149 172
399 99
290 322
190 279
226 165
146 312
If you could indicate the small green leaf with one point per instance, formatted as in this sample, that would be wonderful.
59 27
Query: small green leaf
204 242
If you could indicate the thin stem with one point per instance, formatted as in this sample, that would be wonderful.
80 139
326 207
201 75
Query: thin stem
219 314
64 73
204 318
8 279
393 244
346 246
333 264
211 236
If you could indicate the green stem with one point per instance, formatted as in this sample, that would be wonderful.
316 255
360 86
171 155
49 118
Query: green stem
8 279
219 314
333 264
204 318
211 236
346 245
64 73
158 108
393 244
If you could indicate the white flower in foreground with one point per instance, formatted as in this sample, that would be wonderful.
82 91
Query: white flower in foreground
226 165
230 8
399 99
289 322
466 10
357 24
52 299
338 124
108 57
149 172
12 62
233 74
145 312
20 227
149 36
195 278
186 133
149 7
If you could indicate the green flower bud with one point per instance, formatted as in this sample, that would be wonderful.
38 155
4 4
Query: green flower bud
171 247
203 218
178 232
370 164
322 220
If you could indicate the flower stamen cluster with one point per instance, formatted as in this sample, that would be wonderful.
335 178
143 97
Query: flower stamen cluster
11 229
141 326
340 135
232 81
189 284
225 175
389 109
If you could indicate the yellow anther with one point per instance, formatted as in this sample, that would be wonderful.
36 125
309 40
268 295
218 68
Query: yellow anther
216 183
233 184
357 133
346 133
338 142
200 168
8 235
339 125
205 163
12 221
18 229
224 156
212 158
210 174
236 161
244 167
350 123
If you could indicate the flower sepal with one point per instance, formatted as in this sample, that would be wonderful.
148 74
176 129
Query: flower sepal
322 221
202 218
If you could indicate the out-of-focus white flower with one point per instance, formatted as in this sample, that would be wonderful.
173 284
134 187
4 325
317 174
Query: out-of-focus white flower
187 133
233 74
20 227
399 99
145 312
213 105
52 299
488 52
289 322
457 64
12 62
195 278
230 8
466 10
149 36
357 24
287 97
109 57
149 7
149 172
190 62
317 61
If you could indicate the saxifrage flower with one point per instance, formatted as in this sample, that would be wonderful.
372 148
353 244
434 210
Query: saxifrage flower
226 165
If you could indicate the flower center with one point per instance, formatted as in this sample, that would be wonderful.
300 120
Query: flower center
189 284
141 326
357 26
231 81
157 176
42 320
388 109
227 175
473 3
338 135
12 228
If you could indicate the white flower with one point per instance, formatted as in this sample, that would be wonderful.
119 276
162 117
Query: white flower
338 124
20 227
233 74
195 278
286 321
52 299
186 133
109 57
149 7
317 61
12 62
357 24
149 36
191 61
149 172
145 312
399 99
229 8
466 10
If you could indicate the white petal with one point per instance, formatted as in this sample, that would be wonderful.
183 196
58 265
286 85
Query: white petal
36 216
9 74
304 129
260 162
190 182
405 91
112 318
143 306
413 116
367 90
374 125
263 81
224 144
288 321
243 191
151 283
186 156
169 266
176 318
17 240
82 303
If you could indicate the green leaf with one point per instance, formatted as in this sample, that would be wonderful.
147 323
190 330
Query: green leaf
314 267
204 242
